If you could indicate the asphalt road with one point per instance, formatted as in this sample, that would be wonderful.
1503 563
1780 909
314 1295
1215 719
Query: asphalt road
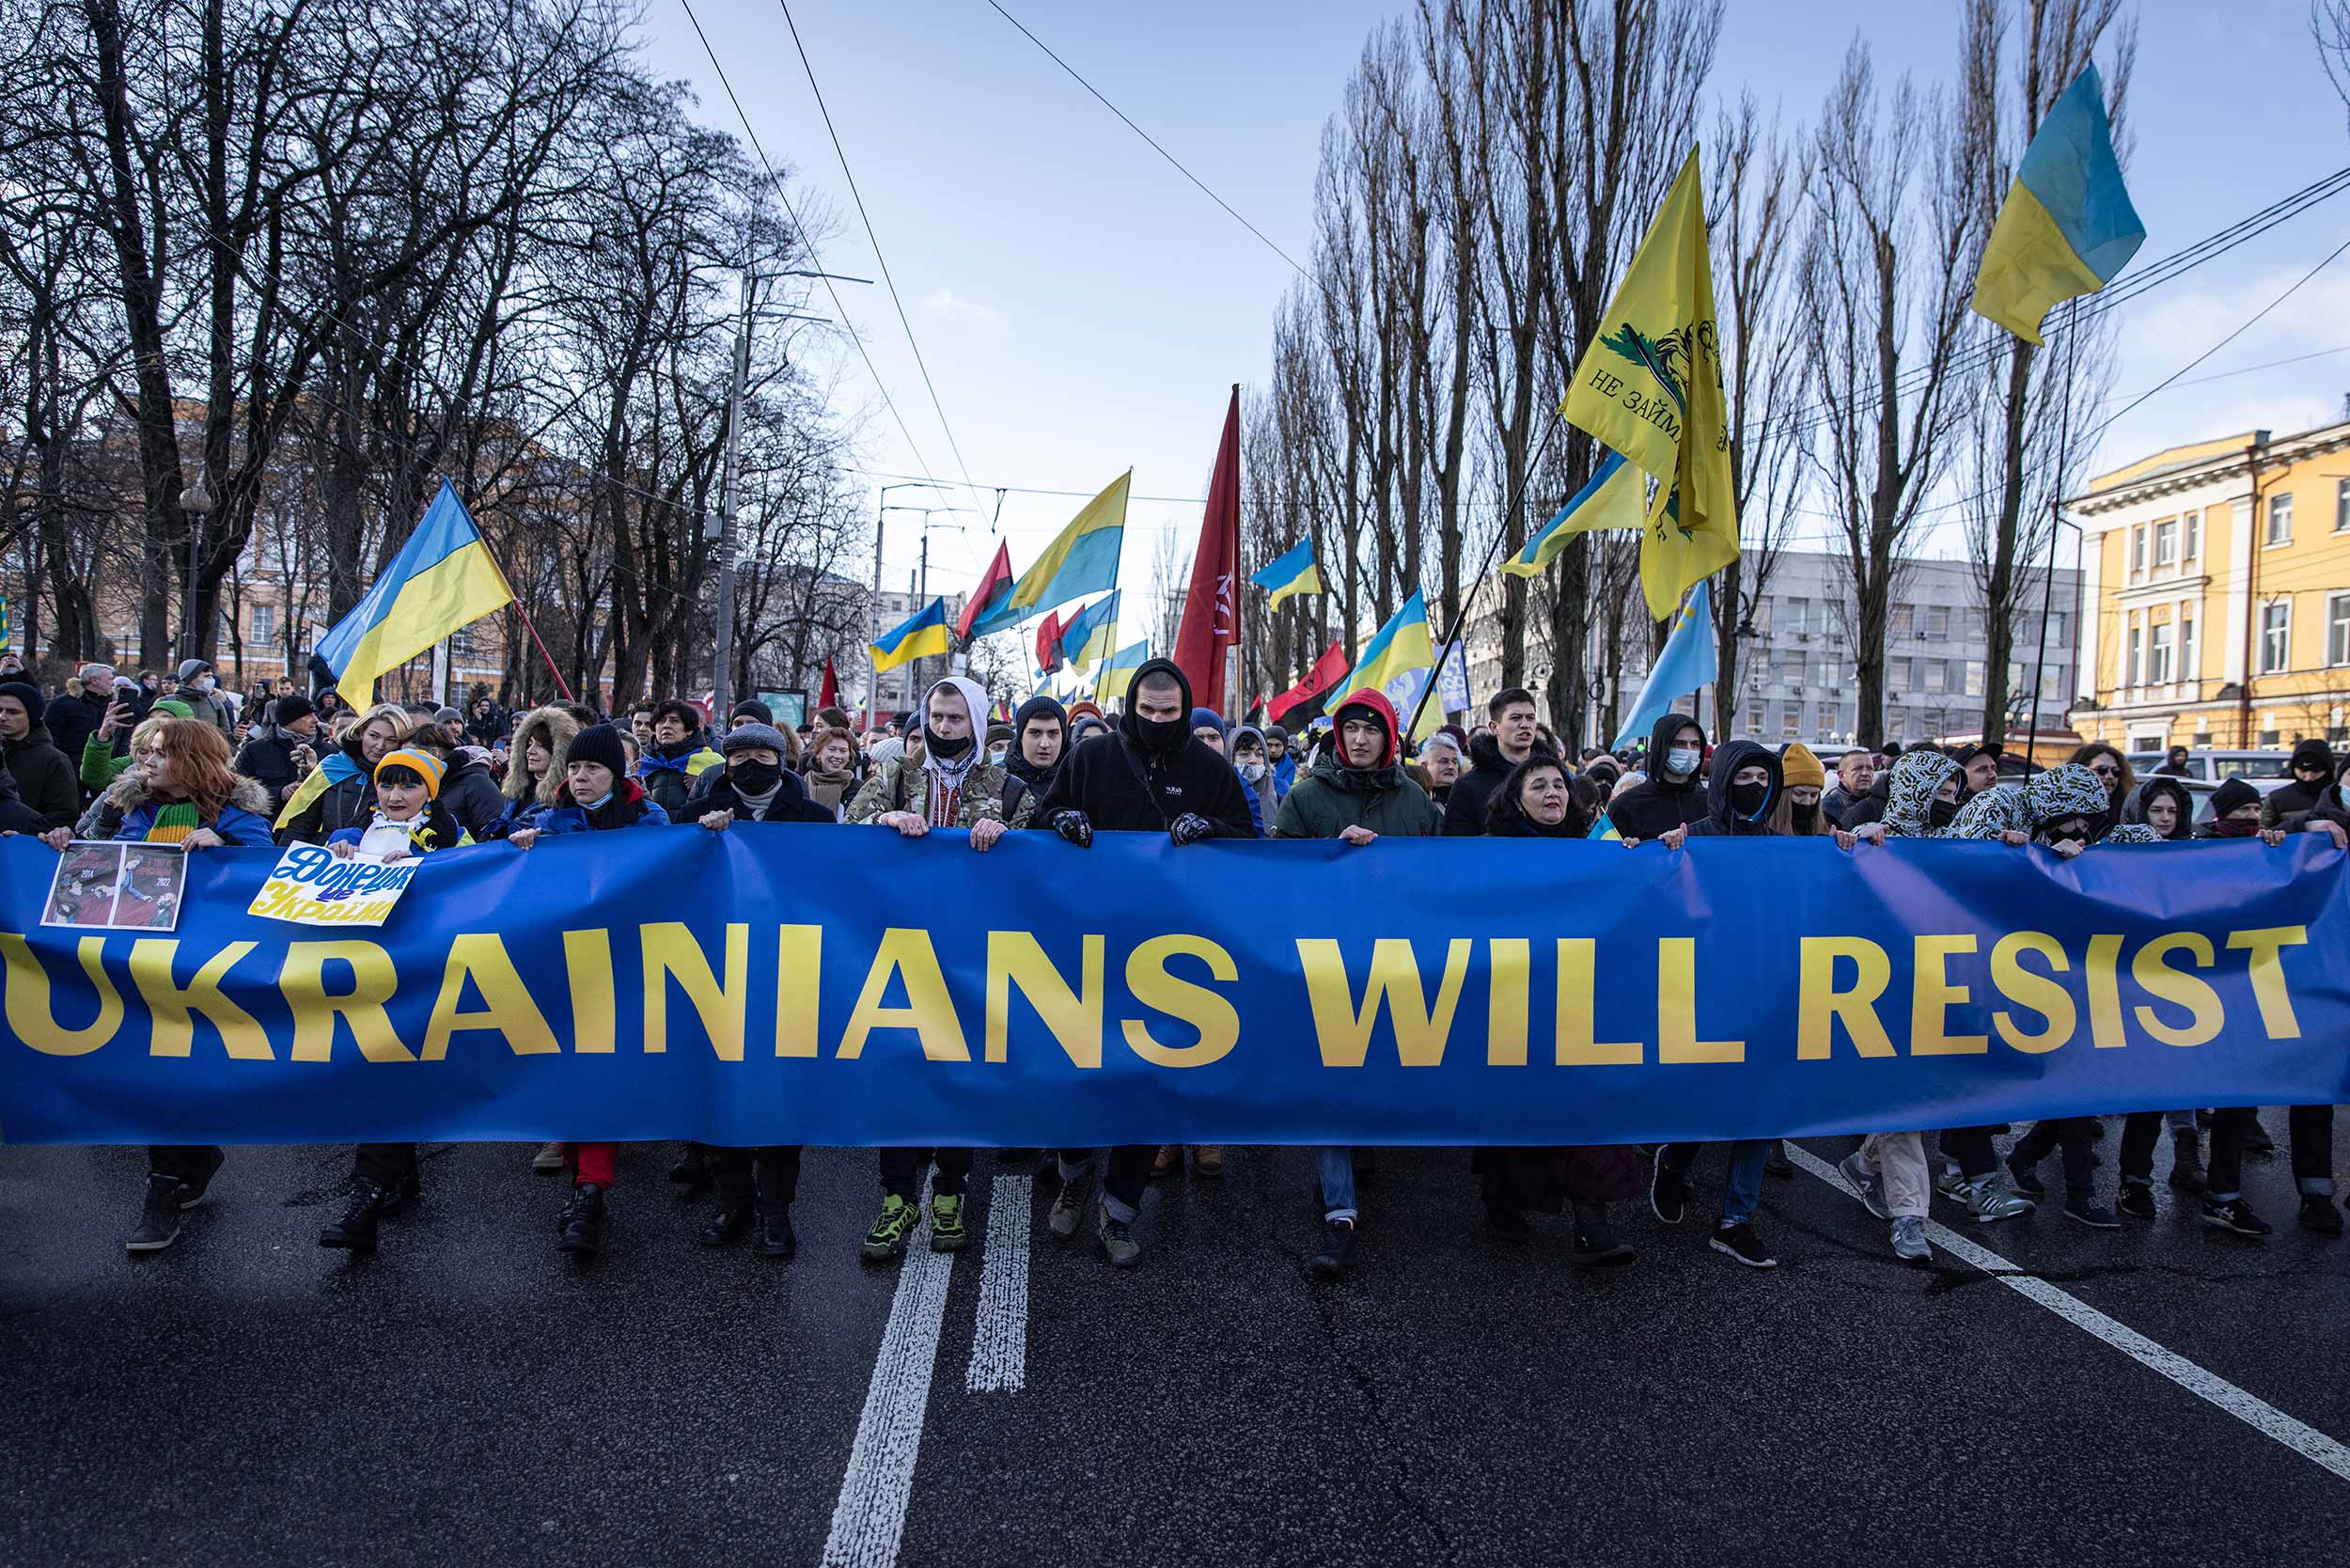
468 1395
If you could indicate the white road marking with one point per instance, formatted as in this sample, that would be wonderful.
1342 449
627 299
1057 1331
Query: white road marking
870 1518
999 1343
2251 1409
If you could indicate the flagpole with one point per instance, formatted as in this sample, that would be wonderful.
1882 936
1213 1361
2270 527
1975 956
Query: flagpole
2056 518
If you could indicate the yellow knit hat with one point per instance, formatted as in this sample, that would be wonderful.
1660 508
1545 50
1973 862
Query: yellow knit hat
1800 768
423 763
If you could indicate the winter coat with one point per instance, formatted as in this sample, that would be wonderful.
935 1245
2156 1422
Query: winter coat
485 727
629 806
1264 796
15 816
792 803
471 796
209 707
102 764
347 803
2134 809
440 831
899 786
45 780
1335 797
1870 807
267 758
1472 793
671 772
2297 797
1910 785
243 822
72 720
1649 809
555 728
1721 819
1123 784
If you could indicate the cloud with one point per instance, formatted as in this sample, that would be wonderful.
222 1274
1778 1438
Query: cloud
968 314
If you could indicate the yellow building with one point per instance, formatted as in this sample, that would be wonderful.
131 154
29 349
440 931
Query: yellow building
2219 574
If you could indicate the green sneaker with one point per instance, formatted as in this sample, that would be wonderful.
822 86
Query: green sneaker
887 1238
946 1232
1123 1251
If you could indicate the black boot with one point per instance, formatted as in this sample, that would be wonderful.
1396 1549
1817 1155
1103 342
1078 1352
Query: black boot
694 1169
581 1227
1595 1242
729 1224
2186 1161
775 1239
355 1231
1505 1224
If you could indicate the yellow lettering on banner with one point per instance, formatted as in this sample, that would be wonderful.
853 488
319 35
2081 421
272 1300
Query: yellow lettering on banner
1183 1000
671 950
595 1017
1819 1006
171 1026
2104 993
2038 991
2179 989
372 981
1677 1042
799 984
1017 958
1578 987
1344 1032
1931 995
1510 978
929 1010
28 1008
507 1006
2268 976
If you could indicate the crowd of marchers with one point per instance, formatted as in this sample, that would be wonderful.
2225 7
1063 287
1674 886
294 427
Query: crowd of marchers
180 761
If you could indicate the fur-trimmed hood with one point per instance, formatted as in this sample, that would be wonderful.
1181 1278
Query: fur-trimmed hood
129 790
556 726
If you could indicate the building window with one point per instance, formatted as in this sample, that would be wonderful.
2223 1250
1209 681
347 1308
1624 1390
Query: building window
1754 721
1974 625
1975 676
1896 673
1937 621
2191 532
2338 629
1760 618
2190 667
2341 504
2280 520
1791 722
264 623
460 643
1930 674
2158 654
2276 634
2130 661
1904 615
2166 545
1791 670
1796 610
2056 627
2138 551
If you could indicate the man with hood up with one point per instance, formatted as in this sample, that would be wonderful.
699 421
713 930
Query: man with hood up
1492 759
1150 775
1675 793
1040 739
45 780
1252 759
1358 793
2310 771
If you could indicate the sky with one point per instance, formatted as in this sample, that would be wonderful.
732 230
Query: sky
1082 308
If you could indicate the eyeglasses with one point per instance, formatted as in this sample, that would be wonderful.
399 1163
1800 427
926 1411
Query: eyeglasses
2107 770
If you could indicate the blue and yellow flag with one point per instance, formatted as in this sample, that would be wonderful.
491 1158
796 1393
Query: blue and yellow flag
442 581
1082 560
1118 671
918 636
1399 661
1615 497
1295 573
2067 226
1091 633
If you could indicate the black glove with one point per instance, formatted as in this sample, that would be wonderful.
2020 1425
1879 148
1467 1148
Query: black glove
1190 828
1073 826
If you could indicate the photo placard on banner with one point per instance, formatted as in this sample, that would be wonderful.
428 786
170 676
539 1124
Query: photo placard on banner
106 885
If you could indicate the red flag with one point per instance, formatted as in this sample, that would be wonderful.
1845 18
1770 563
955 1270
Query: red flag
1328 671
1048 657
829 694
993 586
1212 608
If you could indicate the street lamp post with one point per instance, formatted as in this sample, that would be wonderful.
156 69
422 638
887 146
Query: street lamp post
872 605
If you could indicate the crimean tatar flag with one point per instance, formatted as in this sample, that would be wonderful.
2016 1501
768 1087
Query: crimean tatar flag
1615 497
920 636
2067 226
1650 387
1295 573
1082 560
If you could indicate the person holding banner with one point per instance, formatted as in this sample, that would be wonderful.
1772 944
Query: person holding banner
341 792
1674 794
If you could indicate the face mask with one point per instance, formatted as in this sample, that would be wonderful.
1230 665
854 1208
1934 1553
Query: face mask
1252 772
2236 827
204 684
1746 800
1942 813
1804 815
1682 761
996 754
754 778
601 801
2056 833
944 750
1162 734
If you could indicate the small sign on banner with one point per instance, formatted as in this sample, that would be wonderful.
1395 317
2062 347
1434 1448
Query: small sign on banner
107 885
310 886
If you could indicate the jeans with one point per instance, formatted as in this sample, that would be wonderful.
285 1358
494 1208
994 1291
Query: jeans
1971 1148
2313 1130
902 1171
1742 1192
2223 1172
1122 1183
2071 1134
1335 1167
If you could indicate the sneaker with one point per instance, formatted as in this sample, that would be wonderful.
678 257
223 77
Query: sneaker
1950 1182
1208 1160
729 1224
2186 1163
1069 1207
2026 1178
1667 1191
1508 1225
1867 1183
1909 1240
946 1232
887 1238
355 1231
1124 1251
1740 1242
2137 1200
1990 1199
1595 1242
775 1239
2234 1214
1169 1160
549 1159
581 1225
159 1217
1336 1254
2088 1211
2318 1214
1777 1163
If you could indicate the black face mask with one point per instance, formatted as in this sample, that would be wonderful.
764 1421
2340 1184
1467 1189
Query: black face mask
1747 800
1161 734
2071 828
754 778
1942 813
944 750
2236 827
1804 815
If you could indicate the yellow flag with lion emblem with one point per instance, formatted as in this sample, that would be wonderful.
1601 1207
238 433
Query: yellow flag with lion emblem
1650 387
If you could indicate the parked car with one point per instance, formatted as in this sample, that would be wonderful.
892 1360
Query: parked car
2215 766
2201 790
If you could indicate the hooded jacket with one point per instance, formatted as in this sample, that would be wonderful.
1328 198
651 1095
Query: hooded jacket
1266 794
1466 808
1910 786
45 780
672 774
129 807
2333 806
792 803
1721 818
898 785
2069 790
629 806
1024 781
1335 797
1662 803
524 798
2134 809
2296 796
1124 784
15 816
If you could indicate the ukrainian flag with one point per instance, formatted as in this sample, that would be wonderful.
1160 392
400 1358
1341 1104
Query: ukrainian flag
1399 661
1082 560
1295 573
442 581
919 636
1604 831
1118 671
1091 633
1616 497
2067 226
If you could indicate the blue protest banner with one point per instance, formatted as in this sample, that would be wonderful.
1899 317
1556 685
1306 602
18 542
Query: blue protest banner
847 986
